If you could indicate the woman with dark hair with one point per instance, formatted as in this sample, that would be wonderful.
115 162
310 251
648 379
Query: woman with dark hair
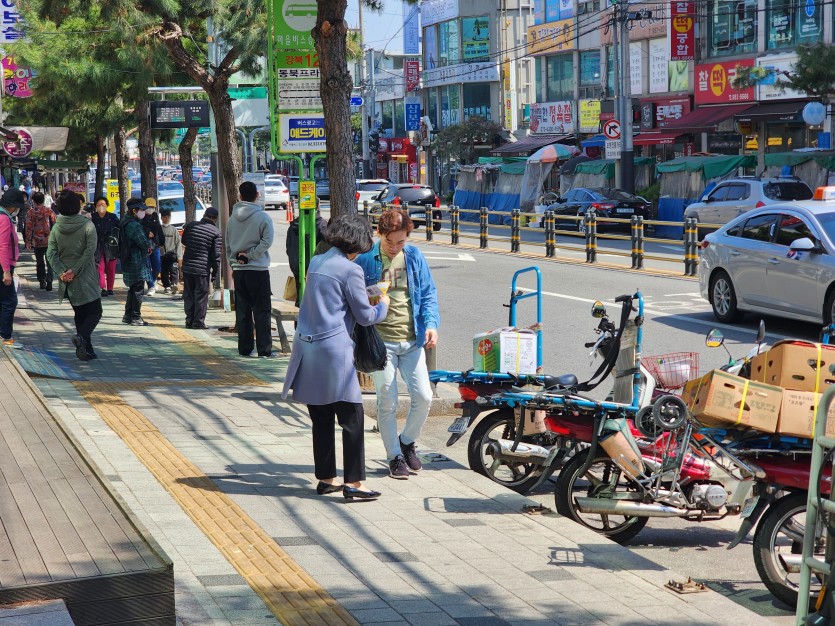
71 253
107 232
321 370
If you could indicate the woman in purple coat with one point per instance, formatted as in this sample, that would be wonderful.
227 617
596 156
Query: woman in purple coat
321 371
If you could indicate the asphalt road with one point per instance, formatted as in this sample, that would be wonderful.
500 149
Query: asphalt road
474 285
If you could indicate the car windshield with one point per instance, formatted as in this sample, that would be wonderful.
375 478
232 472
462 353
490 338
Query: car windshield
827 224
617 194
371 186
787 190
169 187
410 194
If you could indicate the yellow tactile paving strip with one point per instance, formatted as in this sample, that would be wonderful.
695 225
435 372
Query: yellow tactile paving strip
287 590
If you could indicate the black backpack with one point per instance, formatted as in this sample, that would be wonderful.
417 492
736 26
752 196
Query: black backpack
112 241
122 243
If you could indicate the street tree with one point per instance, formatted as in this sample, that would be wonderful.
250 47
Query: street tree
459 141
813 73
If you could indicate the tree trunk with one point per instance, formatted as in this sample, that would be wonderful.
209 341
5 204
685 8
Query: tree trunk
227 139
187 162
120 141
100 167
147 162
330 35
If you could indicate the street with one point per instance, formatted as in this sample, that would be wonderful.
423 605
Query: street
473 287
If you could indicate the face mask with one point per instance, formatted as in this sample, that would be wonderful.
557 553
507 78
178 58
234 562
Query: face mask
15 212
140 214
101 210
151 211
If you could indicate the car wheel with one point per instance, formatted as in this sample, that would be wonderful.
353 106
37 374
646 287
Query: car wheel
723 298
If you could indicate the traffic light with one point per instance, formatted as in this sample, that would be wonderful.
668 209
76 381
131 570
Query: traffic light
374 141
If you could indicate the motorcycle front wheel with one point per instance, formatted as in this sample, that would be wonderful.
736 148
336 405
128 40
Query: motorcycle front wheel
501 424
780 533
603 479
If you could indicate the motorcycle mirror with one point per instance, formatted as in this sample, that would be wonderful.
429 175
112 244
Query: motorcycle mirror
598 311
761 332
714 338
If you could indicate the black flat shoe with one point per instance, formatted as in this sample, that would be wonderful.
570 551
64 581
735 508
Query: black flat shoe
349 493
324 488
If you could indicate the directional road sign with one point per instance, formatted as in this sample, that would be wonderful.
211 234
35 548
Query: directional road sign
611 129
356 101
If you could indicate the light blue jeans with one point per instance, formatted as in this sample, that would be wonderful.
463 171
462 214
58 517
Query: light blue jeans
410 361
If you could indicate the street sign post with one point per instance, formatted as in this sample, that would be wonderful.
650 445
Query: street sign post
356 101
611 129
613 148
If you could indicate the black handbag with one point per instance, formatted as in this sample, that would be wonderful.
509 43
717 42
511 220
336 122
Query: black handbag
369 350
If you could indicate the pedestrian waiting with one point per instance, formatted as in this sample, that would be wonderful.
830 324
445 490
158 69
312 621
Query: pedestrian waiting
134 249
201 264
107 251
72 255
153 231
39 222
172 253
11 204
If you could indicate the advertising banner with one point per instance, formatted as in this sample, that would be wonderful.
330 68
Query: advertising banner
552 10
461 73
636 62
430 47
475 39
411 30
589 116
411 71
11 25
434 11
16 78
301 132
713 83
767 88
809 22
294 43
682 31
656 26
551 37
658 65
538 11
552 118
412 113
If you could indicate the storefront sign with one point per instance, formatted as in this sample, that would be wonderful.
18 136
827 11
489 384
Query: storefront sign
538 11
682 31
396 145
412 110
461 73
11 24
302 132
566 9
767 88
16 78
552 118
589 116
434 11
679 75
551 37
659 113
659 53
475 38
656 26
636 62
388 87
713 83
411 70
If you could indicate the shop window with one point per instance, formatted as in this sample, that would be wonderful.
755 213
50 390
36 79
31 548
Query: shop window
610 70
809 22
476 100
560 78
733 27
399 118
433 106
388 117
475 39
449 49
430 47
590 68
779 18
450 105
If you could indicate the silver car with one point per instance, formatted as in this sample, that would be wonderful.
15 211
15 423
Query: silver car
778 260
735 196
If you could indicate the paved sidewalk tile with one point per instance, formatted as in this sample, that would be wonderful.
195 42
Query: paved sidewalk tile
200 445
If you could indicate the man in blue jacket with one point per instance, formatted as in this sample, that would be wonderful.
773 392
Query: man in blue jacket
410 326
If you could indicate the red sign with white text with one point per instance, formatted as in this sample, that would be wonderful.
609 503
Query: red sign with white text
682 31
412 71
713 83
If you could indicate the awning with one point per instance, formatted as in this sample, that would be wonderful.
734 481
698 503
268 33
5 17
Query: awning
771 112
655 139
529 144
705 119
598 141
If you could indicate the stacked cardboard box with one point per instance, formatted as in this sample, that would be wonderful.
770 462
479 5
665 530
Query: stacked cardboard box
505 350
723 400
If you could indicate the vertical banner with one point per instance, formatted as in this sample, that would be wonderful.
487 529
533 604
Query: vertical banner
411 31
682 31
411 70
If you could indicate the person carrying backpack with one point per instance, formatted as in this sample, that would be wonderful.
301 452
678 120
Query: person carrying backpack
107 248
39 222
134 249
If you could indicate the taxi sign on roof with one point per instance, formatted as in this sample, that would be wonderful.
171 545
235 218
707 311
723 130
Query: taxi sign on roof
824 193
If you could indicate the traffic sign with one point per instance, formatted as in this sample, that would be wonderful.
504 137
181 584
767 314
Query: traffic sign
611 129
613 148
356 101
247 93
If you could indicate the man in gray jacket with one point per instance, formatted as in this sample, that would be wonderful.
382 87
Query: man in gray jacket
249 235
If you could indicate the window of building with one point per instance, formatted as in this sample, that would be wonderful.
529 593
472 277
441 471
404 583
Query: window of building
560 77
430 47
399 118
388 117
449 46
590 68
433 107
733 27
476 100
779 17
475 39
450 105
808 22
610 70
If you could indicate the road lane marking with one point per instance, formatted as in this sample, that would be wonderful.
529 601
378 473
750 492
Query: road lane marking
459 257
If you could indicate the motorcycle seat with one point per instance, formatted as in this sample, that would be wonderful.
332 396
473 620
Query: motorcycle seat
566 380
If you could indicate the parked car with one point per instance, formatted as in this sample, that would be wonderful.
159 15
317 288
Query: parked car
276 193
176 202
367 188
777 260
735 196
416 198
323 188
607 203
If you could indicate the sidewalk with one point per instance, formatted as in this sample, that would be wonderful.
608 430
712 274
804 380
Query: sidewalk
219 469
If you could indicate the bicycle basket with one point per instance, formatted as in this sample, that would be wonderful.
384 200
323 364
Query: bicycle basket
674 369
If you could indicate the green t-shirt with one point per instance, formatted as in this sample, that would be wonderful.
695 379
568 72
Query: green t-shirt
399 323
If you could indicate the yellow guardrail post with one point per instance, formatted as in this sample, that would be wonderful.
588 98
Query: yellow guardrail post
690 243
590 222
365 209
482 228
429 223
514 230
550 238
454 218
639 244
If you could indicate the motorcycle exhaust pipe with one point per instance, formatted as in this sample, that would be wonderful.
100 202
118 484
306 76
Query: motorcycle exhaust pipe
525 452
626 507
791 562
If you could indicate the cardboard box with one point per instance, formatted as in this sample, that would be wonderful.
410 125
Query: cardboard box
797 414
796 365
505 351
723 400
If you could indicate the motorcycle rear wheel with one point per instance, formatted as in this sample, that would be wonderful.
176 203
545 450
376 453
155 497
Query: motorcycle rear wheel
501 424
602 477
781 531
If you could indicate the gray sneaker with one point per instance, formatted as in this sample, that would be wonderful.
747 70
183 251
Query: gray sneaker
398 469
411 457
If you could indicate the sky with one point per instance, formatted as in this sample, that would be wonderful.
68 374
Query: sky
379 27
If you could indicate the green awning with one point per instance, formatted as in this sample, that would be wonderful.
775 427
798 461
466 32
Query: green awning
607 166
710 166
824 158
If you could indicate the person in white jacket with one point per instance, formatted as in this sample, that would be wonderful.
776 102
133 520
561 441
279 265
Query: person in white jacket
249 235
